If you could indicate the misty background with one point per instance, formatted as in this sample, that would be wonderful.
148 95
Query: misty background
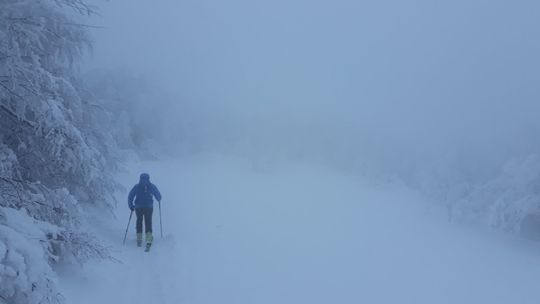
439 95
307 151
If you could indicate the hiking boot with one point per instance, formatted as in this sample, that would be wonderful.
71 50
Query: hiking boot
149 238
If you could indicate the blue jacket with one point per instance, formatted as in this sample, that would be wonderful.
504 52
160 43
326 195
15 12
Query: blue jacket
143 193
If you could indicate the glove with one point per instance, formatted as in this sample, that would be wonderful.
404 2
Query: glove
131 208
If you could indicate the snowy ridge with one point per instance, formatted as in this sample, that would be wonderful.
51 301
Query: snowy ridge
297 234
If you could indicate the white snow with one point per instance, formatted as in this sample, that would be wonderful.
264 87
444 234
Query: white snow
299 234
24 276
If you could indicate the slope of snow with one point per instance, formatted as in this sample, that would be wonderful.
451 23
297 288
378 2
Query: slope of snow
297 234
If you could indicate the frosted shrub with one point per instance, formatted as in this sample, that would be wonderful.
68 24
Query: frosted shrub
24 277
505 200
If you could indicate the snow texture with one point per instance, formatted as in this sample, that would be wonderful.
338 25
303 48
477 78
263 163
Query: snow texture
300 234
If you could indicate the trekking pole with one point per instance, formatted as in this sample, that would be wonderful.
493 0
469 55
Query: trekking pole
160 224
129 221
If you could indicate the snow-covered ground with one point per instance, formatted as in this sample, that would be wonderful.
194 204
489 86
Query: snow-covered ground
238 233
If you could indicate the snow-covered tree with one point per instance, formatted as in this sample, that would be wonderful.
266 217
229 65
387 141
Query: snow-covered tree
55 156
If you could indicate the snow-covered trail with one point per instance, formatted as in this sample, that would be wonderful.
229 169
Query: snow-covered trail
294 234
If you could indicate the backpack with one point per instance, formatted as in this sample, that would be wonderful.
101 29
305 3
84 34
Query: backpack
144 192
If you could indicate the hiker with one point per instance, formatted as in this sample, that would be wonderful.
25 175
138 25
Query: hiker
144 193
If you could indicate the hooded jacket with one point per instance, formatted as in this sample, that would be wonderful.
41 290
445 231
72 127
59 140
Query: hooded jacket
143 193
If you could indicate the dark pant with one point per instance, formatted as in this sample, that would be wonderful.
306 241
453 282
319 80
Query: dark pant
145 213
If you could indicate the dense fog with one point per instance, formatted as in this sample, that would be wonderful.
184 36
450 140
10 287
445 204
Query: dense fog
406 84
422 90
307 151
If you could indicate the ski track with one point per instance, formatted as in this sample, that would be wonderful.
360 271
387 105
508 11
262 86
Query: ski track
299 235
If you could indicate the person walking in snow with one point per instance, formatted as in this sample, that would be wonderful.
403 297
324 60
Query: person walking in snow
141 200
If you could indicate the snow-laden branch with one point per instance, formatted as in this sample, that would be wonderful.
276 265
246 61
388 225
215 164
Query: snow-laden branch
16 117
